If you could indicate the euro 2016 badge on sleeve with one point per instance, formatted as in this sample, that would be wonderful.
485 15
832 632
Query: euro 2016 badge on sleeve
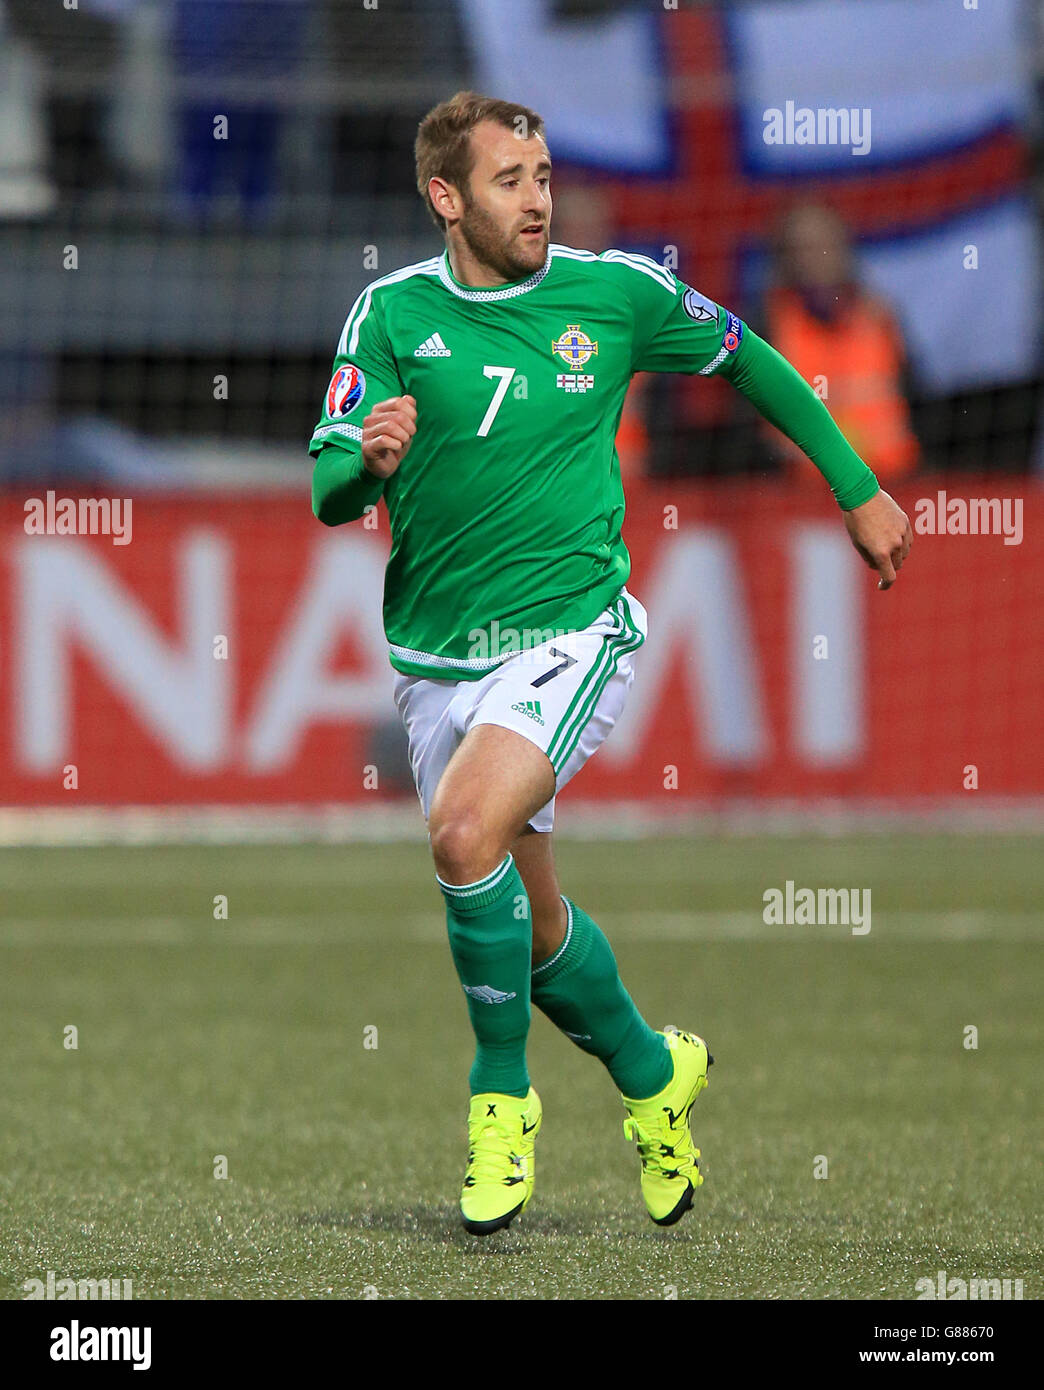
347 387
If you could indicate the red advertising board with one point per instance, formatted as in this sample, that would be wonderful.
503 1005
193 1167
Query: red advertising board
228 650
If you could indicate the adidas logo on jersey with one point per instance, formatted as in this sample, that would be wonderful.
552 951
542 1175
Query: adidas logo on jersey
433 347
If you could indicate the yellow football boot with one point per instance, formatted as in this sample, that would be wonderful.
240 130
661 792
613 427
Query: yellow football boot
502 1133
660 1125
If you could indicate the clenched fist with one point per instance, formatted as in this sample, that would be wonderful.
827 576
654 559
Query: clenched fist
880 530
386 436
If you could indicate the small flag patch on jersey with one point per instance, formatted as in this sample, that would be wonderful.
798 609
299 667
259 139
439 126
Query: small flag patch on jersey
433 347
347 388
568 382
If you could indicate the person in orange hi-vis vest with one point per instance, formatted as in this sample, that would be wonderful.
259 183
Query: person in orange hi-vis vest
845 342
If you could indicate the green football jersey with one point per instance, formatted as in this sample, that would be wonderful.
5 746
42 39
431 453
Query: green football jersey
506 512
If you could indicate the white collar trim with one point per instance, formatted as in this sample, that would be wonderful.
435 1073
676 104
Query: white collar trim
486 296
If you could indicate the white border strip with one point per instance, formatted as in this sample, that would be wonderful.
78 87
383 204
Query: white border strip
576 820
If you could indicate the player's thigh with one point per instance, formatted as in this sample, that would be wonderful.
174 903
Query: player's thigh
426 708
493 784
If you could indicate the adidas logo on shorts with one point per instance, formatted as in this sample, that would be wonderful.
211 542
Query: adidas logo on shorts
531 709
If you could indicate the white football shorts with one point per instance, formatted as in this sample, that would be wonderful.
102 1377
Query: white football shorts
564 695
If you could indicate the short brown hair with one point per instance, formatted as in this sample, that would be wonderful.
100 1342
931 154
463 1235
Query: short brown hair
443 146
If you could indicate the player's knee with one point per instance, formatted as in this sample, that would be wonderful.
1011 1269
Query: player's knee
462 848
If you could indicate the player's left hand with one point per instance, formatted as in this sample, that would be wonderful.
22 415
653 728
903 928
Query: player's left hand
881 532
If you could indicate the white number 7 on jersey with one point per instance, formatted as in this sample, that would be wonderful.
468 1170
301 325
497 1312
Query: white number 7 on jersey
505 374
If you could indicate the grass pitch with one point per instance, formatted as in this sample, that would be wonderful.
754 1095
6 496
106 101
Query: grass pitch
245 1038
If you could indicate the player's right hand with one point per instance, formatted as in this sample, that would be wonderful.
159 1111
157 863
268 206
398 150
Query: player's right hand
880 531
386 436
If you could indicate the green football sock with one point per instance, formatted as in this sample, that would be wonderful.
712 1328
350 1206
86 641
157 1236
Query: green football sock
491 938
579 989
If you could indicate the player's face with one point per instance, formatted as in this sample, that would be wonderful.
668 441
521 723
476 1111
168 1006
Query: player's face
506 220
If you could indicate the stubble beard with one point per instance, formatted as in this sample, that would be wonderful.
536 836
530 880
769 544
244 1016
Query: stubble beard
487 244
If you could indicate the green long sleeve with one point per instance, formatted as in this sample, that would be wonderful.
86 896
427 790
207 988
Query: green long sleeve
787 401
342 489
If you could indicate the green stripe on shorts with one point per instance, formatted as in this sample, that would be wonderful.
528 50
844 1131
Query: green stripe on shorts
582 688
569 731
620 648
